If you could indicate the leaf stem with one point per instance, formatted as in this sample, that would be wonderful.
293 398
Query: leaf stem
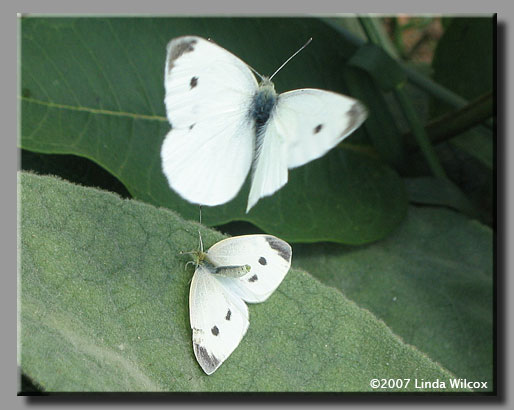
456 122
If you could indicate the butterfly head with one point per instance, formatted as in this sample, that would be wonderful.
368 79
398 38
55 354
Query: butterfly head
267 85
199 256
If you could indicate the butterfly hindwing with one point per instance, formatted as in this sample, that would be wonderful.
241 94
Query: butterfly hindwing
219 319
270 167
268 257
209 150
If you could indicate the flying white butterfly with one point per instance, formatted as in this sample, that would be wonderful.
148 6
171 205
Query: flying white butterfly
223 121
243 268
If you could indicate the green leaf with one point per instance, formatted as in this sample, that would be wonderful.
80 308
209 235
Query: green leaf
104 307
381 126
430 281
93 87
438 191
477 145
339 207
72 168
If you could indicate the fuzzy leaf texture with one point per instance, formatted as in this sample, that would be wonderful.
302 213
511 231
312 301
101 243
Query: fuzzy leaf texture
431 281
104 307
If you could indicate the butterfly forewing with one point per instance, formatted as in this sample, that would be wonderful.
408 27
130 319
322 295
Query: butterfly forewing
203 80
269 259
209 150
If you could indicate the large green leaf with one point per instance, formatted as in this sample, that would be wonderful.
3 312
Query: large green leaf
430 281
438 191
93 87
104 296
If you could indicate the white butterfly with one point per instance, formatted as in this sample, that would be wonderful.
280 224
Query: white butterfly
223 121
243 268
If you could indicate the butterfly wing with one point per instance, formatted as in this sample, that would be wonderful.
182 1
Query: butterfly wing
304 125
269 259
270 167
209 150
219 319
317 121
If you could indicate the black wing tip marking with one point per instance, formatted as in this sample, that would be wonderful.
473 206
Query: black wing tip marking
357 114
209 363
178 47
282 248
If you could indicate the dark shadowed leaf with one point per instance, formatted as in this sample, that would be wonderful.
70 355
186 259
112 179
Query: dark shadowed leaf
93 87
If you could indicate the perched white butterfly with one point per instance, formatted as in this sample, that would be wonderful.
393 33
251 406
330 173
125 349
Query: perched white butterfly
223 121
243 268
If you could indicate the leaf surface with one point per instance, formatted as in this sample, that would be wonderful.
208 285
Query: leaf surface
430 281
104 296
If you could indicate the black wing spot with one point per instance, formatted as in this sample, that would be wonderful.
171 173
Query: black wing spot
229 313
194 82
215 331
318 128
253 278
263 261
191 126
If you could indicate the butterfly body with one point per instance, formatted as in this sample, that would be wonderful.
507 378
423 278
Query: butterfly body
225 123
263 103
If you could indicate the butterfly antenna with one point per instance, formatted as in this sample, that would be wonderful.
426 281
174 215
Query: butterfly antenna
289 59
255 71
